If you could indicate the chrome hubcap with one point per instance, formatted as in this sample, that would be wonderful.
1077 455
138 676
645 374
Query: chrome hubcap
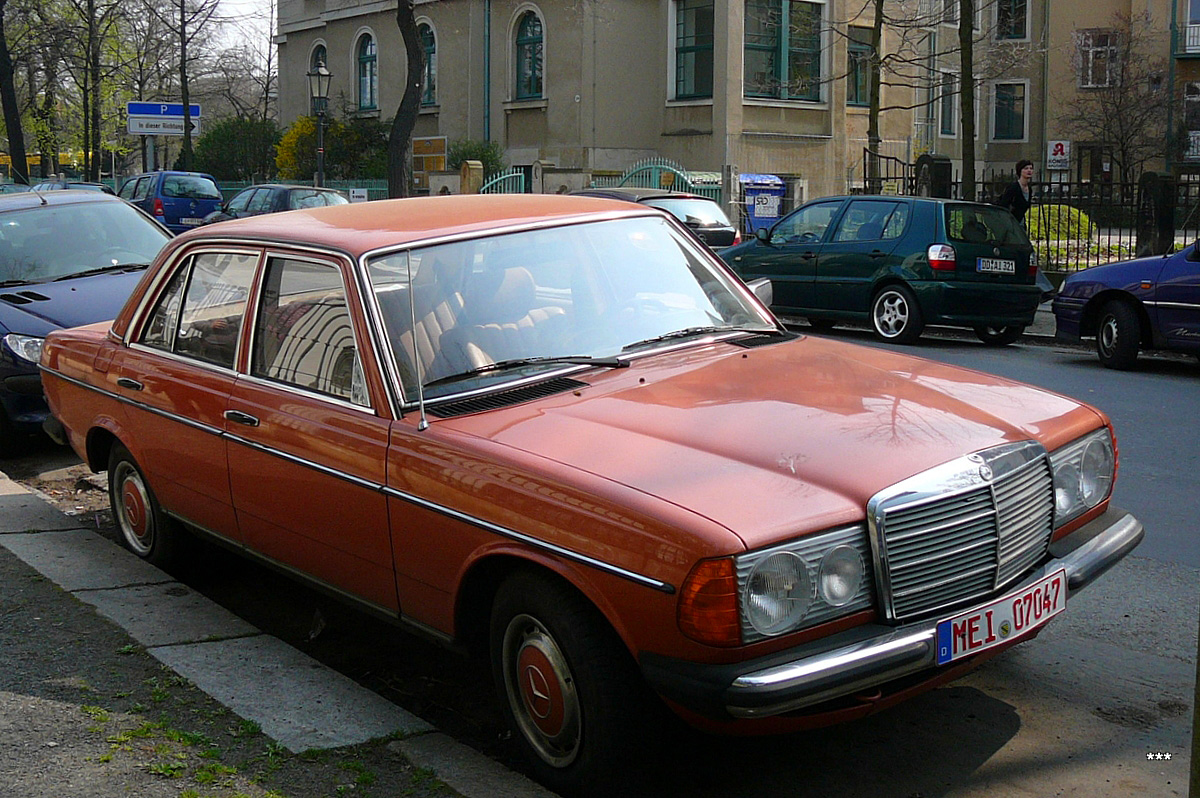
891 314
1108 335
133 511
541 691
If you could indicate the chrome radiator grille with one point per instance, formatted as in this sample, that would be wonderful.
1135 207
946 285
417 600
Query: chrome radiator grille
961 531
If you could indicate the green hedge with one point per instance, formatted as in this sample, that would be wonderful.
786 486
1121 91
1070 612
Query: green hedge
1058 223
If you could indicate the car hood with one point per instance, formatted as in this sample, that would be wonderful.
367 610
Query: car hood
778 440
38 308
1120 274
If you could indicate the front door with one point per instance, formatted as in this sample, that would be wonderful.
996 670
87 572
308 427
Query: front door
1177 300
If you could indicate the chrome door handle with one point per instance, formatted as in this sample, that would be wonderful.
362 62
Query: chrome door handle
238 417
132 385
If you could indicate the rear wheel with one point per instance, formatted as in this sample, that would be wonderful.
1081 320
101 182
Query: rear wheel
145 528
895 315
1118 337
569 688
999 336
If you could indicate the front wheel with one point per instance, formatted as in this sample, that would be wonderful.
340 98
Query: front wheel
895 315
999 336
145 529
570 690
1118 337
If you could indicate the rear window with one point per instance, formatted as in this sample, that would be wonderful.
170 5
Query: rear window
984 224
190 187
705 213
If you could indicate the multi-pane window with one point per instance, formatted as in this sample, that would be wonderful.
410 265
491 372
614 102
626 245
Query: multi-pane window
1008 118
429 45
693 48
368 73
1012 19
1098 54
947 105
783 49
858 70
529 57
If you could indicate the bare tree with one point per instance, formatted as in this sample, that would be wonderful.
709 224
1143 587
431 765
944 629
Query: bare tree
400 140
1121 101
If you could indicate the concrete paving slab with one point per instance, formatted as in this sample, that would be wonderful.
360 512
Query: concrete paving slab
81 560
166 614
466 770
22 511
297 701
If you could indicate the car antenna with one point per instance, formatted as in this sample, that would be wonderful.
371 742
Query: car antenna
423 422
34 189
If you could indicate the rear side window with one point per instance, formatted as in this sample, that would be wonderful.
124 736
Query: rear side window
984 224
872 220
190 187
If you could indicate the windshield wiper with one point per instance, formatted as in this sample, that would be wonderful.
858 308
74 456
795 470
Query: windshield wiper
689 332
116 267
516 362
11 283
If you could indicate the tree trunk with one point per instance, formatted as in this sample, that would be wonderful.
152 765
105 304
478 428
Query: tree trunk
400 140
185 152
966 50
874 140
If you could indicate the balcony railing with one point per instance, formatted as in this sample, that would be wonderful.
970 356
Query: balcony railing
1189 40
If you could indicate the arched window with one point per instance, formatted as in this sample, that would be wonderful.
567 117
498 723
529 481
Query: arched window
529 57
319 56
368 74
429 44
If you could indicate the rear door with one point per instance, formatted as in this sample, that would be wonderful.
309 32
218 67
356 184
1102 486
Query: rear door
858 251
789 257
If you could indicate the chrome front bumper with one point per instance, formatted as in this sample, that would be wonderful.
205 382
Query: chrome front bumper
807 679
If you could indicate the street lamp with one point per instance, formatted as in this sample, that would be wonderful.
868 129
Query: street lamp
318 93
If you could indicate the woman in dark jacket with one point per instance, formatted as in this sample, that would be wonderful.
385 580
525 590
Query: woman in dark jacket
1016 196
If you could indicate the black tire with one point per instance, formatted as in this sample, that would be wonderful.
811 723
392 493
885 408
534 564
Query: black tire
1118 335
145 529
821 325
999 336
896 316
569 690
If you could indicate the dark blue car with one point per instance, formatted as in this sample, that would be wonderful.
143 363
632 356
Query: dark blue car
66 258
1133 305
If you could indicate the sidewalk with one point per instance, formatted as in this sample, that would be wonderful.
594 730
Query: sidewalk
86 629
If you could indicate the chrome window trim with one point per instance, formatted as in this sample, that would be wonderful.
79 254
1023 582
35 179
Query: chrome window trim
388 491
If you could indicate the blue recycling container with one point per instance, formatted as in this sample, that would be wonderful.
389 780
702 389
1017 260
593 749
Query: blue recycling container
764 200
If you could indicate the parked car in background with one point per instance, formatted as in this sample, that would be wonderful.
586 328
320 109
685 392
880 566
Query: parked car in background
180 200
559 432
273 197
80 185
1133 305
898 264
701 214
14 188
66 258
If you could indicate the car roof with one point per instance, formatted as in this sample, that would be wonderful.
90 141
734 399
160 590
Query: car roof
69 196
636 193
291 187
358 228
904 197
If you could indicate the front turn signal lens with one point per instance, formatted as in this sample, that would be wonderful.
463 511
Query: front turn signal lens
708 604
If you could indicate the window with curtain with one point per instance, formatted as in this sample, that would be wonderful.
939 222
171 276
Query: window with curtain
783 49
529 57
368 74
693 48
858 70
1009 114
429 45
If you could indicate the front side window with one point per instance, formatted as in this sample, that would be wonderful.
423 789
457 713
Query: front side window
693 48
1009 113
805 226
529 57
1012 19
783 49
368 74
858 71
304 336
1098 55
429 45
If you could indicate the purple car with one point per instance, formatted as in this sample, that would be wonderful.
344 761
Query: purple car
66 258
1133 305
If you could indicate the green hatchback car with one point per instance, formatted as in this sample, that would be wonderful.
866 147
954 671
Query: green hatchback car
899 263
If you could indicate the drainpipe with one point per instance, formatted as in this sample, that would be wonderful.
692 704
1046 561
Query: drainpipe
1171 84
487 70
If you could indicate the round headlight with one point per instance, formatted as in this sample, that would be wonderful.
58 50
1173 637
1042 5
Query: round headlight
778 593
1066 489
1096 471
840 576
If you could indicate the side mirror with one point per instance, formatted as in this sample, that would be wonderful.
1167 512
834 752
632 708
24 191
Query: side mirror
763 235
763 290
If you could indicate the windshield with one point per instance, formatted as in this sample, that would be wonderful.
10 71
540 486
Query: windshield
527 300
50 242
